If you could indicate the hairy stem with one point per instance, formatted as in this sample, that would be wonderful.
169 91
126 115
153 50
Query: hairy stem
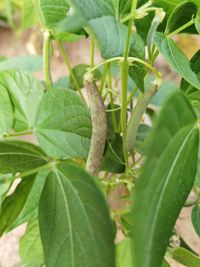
99 126
136 117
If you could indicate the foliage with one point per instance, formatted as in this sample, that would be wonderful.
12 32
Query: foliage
86 148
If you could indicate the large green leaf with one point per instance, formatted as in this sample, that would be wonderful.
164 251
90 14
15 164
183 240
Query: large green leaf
31 250
53 11
186 258
175 57
23 63
166 180
18 156
6 111
196 219
26 93
63 125
74 220
103 25
182 14
21 206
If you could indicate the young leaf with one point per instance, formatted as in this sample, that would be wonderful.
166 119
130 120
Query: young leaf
31 250
123 254
22 205
26 93
165 182
196 219
18 156
175 57
53 11
186 258
80 232
63 125
6 111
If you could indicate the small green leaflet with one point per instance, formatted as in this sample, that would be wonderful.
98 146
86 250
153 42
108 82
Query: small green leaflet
175 57
80 232
6 111
53 11
166 180
25 92
196 218
31 250
63 124
18 156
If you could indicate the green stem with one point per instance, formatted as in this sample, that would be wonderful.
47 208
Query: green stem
124 75
183 27
67 62
92 53
131 95
136 117
17 134
46 58
103 80
114 119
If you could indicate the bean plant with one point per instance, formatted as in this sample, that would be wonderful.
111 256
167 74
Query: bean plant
115 155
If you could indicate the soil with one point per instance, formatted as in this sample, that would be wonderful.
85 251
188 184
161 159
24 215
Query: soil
30 43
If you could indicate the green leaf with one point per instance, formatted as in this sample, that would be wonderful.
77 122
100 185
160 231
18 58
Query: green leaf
186 258
123 254
103 25
6 111
5 183
113 159
21 206
62 82
124 7
28 14
166 180
175 57
53 11
142 138
26 93
31 250
109 32
18 156
182 14
137 72
196 219
23 63
63 125
80 233
165 264
79 72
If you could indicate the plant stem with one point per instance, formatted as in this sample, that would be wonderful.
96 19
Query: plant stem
103 80
183 27
46 58
124 75
136 117
92 51
114 119
67 62
17 134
